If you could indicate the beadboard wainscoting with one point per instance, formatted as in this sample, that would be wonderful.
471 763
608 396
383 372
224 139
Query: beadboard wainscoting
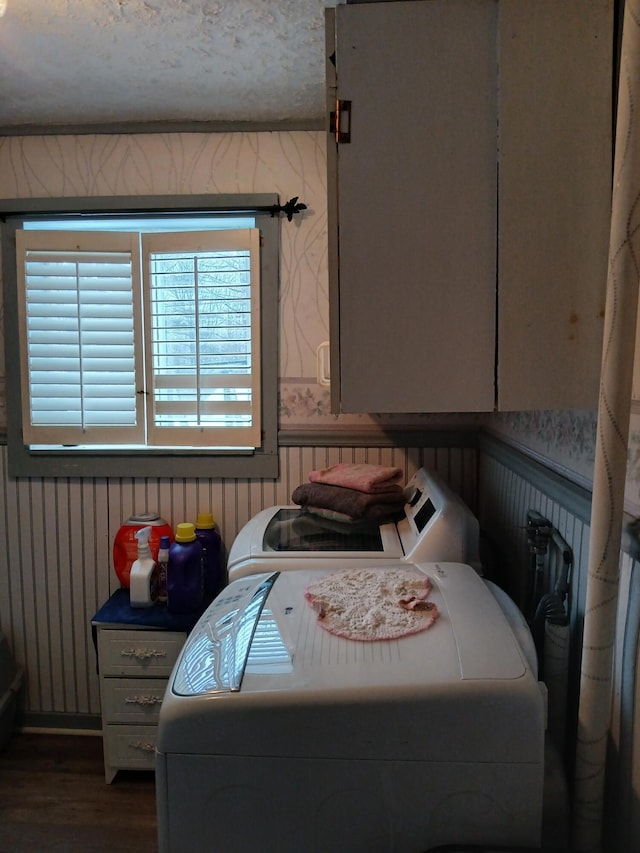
56 535
510 483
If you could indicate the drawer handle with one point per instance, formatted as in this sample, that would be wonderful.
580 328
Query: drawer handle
143 654
144 745
143 700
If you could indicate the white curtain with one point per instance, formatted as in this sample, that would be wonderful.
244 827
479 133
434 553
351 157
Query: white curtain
611 450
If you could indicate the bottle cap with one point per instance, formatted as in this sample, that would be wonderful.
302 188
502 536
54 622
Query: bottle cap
144 518
164 542
185 532
205 521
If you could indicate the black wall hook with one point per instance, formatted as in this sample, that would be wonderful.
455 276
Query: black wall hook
289 208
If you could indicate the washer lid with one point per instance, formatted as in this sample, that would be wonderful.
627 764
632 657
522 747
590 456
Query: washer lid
260 635
289 531
215 656
293 529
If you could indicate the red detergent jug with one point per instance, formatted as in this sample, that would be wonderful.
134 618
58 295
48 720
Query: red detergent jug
125 545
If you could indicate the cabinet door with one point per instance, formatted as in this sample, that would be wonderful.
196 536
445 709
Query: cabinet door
554 200
413 200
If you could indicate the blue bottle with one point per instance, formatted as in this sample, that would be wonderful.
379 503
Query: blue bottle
185 592
211 541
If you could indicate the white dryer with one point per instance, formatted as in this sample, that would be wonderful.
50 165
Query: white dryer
436 525
277 736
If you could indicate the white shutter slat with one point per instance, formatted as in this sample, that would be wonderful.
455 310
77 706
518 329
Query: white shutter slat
105 338
214 382
78 306
96 399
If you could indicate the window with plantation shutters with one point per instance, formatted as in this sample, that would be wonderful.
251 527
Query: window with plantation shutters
141 335
135 339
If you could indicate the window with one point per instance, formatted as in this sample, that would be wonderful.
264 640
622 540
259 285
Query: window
141 341
131 339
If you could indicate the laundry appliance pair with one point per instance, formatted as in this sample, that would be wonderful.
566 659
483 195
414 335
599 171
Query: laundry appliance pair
278 735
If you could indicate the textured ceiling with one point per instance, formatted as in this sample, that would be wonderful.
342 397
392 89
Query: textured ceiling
117 62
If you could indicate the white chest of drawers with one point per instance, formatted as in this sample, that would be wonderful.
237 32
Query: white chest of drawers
136 652
134 667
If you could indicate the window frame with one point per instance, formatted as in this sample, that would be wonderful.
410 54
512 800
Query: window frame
150 462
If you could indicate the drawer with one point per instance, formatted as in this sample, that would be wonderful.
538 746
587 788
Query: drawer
138 653
128 700
130 747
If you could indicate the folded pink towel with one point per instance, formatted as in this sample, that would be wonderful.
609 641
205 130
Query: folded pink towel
371 479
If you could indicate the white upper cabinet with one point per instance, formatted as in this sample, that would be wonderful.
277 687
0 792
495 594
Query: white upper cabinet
469 202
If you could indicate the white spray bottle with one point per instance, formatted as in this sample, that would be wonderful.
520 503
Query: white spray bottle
143 589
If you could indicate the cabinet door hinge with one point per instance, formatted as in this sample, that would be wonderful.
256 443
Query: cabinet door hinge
340 121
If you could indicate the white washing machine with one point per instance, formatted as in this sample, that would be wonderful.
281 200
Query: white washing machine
275 735
437 525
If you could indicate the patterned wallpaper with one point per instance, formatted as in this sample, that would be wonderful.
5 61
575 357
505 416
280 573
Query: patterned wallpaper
632 492
566 438
567 441
289 163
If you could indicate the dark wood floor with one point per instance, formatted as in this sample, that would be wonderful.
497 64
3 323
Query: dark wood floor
53 797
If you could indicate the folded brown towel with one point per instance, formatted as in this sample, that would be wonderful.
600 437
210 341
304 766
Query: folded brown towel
349 503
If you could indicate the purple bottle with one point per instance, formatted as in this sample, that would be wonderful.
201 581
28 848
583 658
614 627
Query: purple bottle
163 563
211 541
184 572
